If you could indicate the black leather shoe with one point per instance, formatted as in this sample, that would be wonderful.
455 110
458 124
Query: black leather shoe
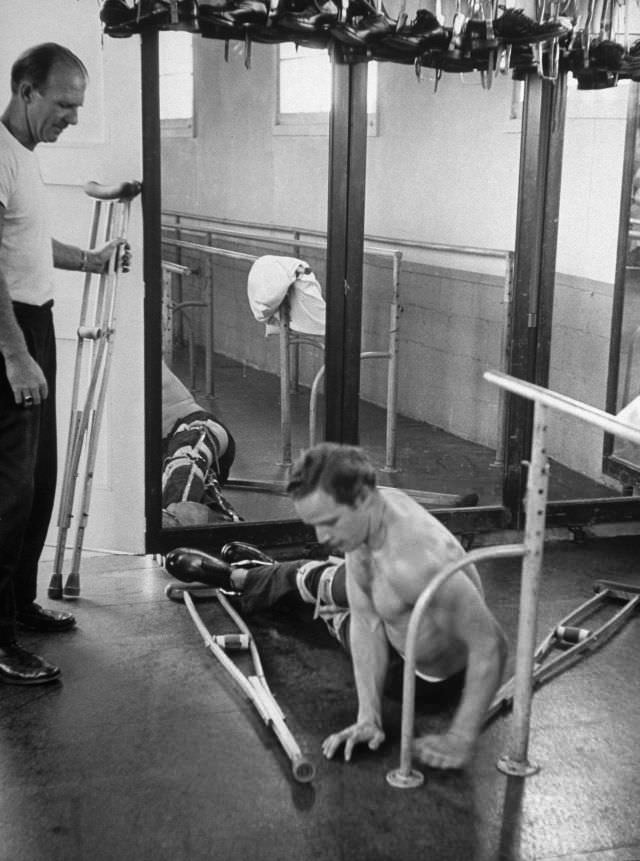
19 667
36 618
238 551
368 30
194 566
316 16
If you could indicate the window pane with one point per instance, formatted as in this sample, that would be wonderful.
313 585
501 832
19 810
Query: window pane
176 101
305 85
305 82
176 76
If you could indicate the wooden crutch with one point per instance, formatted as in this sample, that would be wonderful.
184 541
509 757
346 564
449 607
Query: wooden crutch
111 206
255 686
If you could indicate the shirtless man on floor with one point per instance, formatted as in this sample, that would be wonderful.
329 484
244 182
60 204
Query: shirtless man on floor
392 549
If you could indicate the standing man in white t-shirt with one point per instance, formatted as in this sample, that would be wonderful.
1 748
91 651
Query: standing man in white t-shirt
48 85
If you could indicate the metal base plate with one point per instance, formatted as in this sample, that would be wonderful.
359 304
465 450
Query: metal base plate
516 769
400 779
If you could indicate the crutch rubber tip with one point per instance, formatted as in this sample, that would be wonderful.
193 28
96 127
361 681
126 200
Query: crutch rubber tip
55 588
71 587
303 769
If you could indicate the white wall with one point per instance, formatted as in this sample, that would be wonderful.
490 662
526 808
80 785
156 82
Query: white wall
105 146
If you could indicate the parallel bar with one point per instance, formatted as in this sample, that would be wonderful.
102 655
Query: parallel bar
565 404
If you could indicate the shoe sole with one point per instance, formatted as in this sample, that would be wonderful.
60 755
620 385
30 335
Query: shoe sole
45 629
45 681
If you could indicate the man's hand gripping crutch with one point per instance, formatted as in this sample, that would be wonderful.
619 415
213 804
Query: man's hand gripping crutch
111 206
254 686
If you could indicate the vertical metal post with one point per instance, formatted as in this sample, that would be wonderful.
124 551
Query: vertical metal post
534 267
345 248
209 326
285 384
516 762
392 369
507 298
152 265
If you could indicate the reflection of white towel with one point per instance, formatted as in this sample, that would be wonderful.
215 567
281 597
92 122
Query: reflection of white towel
270 279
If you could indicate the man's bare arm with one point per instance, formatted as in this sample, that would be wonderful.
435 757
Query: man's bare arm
23 372
370 658
470 621
76 259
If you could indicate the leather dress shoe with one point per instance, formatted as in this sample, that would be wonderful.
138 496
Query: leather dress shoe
36 618
241 13
19 667
194 566
368 29
424 32
316 16
237 551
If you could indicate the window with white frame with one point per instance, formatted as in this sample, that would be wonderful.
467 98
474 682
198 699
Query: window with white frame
304 90
176 83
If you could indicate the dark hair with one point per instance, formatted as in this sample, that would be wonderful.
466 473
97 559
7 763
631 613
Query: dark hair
36 63
340 470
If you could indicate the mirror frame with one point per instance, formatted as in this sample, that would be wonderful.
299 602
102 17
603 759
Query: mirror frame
613 466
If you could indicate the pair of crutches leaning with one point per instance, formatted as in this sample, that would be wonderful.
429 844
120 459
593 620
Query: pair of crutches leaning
94 350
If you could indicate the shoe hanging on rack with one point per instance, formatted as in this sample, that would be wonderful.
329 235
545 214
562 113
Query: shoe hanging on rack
121 20
363 26
243 13
313 18
515 27
423 33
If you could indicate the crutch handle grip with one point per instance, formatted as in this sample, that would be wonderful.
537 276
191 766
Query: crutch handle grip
120 191
303 769
233 642
90 333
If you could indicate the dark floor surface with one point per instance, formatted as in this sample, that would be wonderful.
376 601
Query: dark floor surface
147 750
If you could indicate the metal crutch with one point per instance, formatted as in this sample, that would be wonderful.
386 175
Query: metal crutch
85 419
254 686
569 641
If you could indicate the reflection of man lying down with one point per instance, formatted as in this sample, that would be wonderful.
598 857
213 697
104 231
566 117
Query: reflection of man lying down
198 451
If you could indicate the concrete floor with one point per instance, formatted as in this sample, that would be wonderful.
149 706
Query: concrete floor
147 750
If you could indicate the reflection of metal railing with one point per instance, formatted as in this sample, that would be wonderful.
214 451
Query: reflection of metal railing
295 239
172 307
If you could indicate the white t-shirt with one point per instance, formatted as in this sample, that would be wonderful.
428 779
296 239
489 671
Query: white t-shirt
26 251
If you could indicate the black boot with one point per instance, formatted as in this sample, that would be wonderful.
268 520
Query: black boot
238 551
194 566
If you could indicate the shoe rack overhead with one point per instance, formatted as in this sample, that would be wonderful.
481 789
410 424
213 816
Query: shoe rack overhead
597 41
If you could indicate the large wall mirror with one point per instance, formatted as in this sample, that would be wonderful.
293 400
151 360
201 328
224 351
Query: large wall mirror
239 198
251 178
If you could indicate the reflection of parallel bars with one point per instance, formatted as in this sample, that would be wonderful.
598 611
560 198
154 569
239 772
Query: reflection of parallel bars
289 339
91 372
295 240
174 307
515 762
